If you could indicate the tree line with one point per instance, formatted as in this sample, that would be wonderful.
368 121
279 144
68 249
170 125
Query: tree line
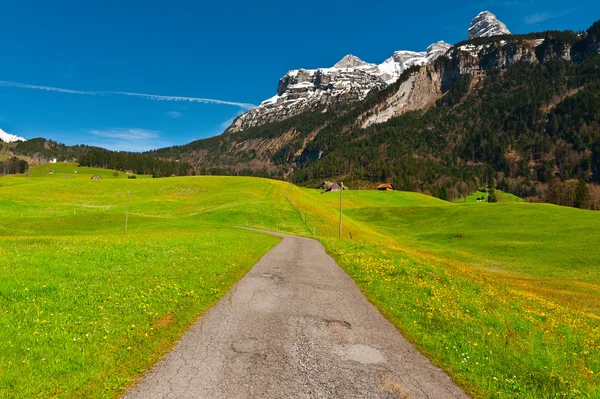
137 163
13 166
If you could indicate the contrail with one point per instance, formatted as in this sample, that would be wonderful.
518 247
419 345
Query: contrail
154 97
26 86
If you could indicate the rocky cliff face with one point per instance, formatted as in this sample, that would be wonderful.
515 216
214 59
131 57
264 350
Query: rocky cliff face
351 79
424 87
419 91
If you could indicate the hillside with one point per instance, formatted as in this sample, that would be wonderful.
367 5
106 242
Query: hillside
16 158
514 111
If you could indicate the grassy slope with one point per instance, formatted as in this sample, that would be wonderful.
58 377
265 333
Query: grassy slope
74 289
503 296
458 280
500 195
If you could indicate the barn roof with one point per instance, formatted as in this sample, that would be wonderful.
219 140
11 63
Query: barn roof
385 185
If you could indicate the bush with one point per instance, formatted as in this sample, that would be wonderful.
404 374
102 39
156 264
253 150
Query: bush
131 177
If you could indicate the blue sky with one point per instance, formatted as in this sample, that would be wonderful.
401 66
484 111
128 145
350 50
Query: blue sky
174 54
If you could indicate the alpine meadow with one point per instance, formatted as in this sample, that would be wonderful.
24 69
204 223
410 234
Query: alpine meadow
173 224
501 308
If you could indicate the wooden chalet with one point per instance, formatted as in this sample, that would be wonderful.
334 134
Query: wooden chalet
385 187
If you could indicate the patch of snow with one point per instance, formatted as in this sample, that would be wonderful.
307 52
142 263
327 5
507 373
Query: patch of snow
9 138
271 100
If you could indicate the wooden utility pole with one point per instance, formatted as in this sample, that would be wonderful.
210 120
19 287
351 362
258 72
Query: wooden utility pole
341 198
127 211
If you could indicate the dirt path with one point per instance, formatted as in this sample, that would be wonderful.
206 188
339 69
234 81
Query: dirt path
296 326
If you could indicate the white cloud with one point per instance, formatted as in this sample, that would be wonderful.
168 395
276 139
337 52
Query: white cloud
544 16
174 114
538 17
154 97
127 139
126 134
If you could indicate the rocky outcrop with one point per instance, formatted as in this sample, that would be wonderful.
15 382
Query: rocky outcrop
419 91
485 25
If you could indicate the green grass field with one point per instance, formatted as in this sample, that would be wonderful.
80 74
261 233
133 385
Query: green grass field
503 296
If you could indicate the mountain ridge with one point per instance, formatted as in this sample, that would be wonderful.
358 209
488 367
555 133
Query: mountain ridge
348 80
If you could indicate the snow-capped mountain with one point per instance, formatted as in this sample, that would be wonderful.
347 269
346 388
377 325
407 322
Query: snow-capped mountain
9 138
350 79
485 25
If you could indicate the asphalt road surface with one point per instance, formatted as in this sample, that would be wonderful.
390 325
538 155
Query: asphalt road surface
296 326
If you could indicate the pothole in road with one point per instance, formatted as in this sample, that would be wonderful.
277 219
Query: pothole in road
362 354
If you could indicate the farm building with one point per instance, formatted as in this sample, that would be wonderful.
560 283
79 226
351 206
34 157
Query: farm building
333 188
385 187
96 177
129 172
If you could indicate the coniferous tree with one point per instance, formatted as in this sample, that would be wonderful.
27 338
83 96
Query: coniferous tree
581 194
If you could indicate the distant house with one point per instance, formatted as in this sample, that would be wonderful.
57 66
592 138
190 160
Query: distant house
129 172
51 171
333 188
53 160
385 187
96 177
324 184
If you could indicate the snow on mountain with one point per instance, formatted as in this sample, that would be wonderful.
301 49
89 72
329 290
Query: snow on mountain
9 138
350 79
485 25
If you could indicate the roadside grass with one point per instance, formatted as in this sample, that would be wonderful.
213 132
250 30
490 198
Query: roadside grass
459 280
462 280
82 316
494 337
84 308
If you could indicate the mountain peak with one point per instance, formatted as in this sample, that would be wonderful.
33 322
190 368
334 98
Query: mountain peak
485 24
9 138
349 61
